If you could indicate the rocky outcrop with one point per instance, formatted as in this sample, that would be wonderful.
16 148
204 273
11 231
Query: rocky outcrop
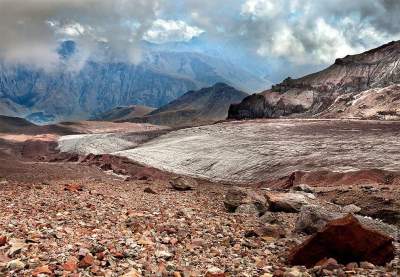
346 240
351 87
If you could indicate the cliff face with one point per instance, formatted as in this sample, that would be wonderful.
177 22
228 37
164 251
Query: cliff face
62 94
314 95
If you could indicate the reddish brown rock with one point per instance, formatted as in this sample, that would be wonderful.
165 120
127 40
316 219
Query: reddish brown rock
3 240
86 261
329 264
73 187
345 240
42 270
70 265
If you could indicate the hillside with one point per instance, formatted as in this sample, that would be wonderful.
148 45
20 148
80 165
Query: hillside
206 105
124 113
16 125
321 93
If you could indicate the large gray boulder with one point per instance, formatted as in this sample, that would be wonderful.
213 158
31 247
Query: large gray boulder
286 202
313 218
244 201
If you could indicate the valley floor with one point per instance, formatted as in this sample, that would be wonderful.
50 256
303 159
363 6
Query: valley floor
106 216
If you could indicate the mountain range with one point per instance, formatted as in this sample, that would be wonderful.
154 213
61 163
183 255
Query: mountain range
99 85
358 86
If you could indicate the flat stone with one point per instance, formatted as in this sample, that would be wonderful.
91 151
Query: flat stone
286 202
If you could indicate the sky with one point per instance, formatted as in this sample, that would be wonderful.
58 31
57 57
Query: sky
277 38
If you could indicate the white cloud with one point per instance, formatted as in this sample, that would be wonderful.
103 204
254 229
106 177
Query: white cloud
163 31
261 8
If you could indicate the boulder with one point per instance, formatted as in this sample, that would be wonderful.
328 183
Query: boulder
313 218
351 209
247 209
247 199
303 187
346 240
182 183
286 202
273 230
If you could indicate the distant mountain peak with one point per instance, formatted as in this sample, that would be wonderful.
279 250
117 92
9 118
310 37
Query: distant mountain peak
221 85
66 49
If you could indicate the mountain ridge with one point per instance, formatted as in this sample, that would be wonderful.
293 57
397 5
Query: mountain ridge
198 107
313 94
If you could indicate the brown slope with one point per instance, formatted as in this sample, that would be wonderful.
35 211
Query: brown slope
125 113
196 107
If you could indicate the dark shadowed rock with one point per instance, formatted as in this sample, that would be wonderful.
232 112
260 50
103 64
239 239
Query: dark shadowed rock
182 183
244 198
149 190
346 240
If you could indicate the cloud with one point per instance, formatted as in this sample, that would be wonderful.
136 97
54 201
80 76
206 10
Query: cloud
285 35
43 23
164 31
318 32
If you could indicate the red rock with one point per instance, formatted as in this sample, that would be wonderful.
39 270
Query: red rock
100 256
3 240
70 265
329 264
73 187
345 240
86 261
42 270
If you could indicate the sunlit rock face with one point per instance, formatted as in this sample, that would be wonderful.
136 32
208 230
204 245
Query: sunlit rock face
338 85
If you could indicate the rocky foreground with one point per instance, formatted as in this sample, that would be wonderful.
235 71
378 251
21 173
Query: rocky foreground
100 225
65 214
